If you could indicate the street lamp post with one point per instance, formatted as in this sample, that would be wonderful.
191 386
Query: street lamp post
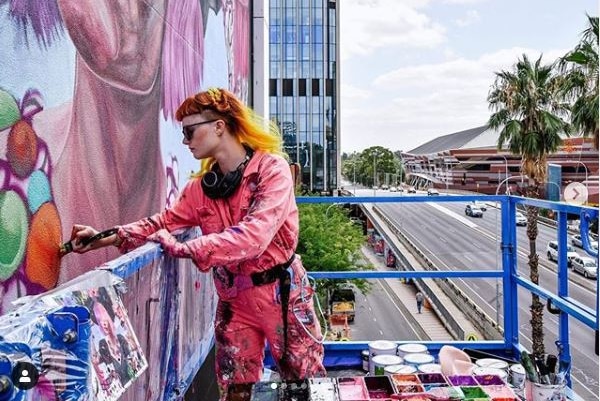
375 154
505 170
586 173
354 179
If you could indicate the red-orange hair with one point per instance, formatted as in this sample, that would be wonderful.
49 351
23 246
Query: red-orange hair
243 122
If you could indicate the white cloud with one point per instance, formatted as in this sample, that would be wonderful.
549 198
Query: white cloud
414 104
372 24
354 93
471 17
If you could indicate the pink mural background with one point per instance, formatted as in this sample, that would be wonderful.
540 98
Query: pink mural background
99 156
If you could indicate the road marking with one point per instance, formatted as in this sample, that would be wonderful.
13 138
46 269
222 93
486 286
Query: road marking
450 213
412 327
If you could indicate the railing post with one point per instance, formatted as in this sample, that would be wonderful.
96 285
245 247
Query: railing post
509 283
563 292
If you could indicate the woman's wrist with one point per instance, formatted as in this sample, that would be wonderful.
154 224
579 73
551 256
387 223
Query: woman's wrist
118 241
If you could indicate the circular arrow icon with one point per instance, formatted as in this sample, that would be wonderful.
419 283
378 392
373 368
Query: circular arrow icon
576 193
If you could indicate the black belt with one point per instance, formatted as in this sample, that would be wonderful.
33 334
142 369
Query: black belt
279 272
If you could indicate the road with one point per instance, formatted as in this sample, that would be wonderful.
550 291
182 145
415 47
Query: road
379 318
454 241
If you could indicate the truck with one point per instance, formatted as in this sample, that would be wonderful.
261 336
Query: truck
342 304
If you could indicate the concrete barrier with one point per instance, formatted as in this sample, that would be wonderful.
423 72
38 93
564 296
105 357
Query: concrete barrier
473 312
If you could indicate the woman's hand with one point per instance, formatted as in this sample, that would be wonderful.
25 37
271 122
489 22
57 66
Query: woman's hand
80 235
170 244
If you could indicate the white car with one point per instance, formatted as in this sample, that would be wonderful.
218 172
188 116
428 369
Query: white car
520 219
473 211
577 241
432 192
552 252
586 266
393 189
480 205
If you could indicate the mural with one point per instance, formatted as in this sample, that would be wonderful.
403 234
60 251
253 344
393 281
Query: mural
88 90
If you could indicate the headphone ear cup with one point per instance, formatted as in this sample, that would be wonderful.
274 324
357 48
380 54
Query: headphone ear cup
211 183
211 179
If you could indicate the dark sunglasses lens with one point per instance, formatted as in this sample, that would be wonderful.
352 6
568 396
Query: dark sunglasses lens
188 133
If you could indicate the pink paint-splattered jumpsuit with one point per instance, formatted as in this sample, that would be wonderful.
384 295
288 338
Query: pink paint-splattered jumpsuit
251 231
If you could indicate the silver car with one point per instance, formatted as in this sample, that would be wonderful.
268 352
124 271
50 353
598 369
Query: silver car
473 211
586 266
577 241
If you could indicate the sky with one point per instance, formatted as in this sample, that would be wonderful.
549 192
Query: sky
414 70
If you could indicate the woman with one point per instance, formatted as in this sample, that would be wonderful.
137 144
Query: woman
243 200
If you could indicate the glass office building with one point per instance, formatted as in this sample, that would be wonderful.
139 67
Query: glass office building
303 86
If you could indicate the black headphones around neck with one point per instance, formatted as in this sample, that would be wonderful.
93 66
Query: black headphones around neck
218 186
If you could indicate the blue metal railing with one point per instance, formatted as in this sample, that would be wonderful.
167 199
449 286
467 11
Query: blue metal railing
510 277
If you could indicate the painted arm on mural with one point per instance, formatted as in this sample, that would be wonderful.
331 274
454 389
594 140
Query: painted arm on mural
110 39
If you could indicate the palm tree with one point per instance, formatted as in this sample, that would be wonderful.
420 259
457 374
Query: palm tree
580 85
528 112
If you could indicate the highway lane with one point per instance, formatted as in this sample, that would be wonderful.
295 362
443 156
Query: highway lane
452 244
378 317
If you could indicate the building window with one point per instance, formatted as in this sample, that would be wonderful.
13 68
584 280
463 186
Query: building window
302 87
272 87
288 87
329 87
315 87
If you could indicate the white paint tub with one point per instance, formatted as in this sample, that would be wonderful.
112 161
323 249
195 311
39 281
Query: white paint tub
399 370
380 347
380 362
405 349
430 368
417 360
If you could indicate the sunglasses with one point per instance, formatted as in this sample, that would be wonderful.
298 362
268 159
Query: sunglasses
188 130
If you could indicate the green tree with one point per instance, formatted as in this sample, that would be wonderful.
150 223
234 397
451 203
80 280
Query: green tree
375 162
330 241
580 81
530 118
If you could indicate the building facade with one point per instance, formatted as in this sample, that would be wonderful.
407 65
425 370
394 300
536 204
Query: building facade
304 87
470 161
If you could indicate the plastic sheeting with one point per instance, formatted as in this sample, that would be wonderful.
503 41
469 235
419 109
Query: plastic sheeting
138 328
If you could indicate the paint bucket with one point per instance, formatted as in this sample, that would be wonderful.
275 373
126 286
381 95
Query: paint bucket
430 368
545 392
517 375
364 355
492 363
381 361
417 360
405 349
484 371
380 347
399 370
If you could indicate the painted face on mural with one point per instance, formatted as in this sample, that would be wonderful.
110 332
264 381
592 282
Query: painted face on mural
202 135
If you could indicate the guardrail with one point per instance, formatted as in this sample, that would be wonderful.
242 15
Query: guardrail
448 320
